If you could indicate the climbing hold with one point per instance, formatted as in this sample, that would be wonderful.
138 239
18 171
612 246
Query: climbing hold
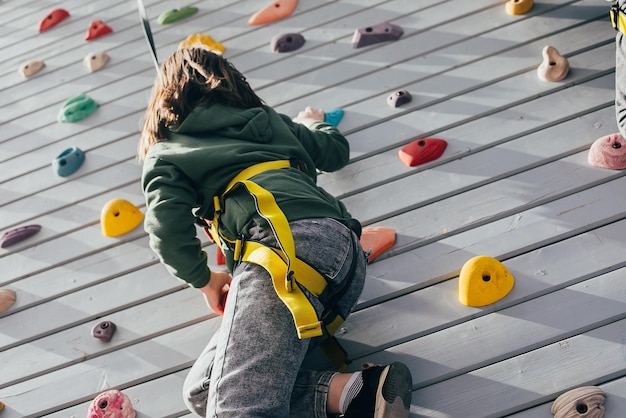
97 28
422 151
333 117
77 108
220 259
276 10
483 280
374 34
104 330
608 152
585 401
18 234
7 299
95 60
119 216
518 7
200 40
111 404
1 406
377 240
175 15
399 98
31 68
52 19
68 161
287 42
554 66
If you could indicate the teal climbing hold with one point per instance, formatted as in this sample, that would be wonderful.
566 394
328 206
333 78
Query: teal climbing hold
333 117
68 161
175 15
77 108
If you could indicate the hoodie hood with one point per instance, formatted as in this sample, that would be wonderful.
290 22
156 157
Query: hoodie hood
244 124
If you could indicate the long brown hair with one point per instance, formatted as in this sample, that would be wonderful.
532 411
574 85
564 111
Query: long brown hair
188 78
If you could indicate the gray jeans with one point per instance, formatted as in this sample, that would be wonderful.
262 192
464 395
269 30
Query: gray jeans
620 78
252 365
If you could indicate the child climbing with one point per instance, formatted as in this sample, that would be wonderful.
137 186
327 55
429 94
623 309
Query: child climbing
609 151
620 65
215 155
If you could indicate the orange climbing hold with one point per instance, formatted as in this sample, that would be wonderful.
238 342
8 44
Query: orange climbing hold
97 28
276 10
52 19
422 151
377 240
483 280
7 299
118 217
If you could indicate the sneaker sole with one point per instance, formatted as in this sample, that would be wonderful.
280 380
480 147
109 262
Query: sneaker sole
393 397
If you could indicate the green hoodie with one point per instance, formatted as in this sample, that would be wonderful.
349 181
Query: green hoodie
200 157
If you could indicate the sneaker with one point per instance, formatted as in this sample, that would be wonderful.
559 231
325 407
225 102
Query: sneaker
386 393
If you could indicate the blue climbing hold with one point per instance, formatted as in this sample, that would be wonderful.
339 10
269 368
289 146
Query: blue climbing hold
333 117
68 161
77 108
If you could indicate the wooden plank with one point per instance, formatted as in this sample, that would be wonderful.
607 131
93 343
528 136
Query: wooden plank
158 398
150 359
62 347
615 402
453 26
506 333
536 273
512 385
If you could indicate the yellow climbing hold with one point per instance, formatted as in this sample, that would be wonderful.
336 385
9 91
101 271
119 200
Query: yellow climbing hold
200 40
518 7
483 280
118 217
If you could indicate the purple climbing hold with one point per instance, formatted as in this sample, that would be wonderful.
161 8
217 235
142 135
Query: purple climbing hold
104 330
374 34
18 234
287 42
399 98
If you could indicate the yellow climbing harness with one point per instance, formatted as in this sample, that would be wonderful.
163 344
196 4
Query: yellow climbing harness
618 18
286 271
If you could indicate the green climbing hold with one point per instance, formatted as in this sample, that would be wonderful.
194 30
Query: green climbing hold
77 108
175 15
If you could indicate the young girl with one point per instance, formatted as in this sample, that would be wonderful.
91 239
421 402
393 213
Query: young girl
204 126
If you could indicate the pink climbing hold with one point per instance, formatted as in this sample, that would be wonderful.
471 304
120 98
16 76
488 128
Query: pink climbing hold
97 28
111 404
608 152
52 19
422 151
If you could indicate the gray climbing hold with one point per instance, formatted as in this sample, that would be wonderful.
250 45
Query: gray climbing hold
287 42
374 34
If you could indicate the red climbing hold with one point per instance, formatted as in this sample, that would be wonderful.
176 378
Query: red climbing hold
52 19
377 240
422 151
97 28
276 10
